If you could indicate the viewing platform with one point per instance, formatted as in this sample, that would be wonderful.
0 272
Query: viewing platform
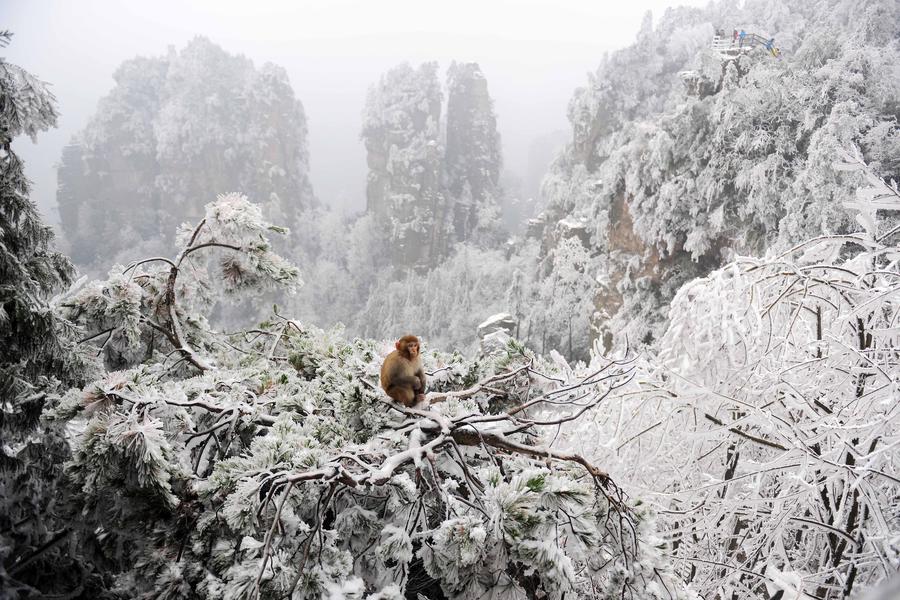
740 42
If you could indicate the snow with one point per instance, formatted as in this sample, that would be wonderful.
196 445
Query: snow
706 308
499 320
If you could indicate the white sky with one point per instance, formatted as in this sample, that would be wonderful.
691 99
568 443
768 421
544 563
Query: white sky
533 53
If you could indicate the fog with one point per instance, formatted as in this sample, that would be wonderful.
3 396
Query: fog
534 54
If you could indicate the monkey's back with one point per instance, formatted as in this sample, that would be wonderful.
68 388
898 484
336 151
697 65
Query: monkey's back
389 360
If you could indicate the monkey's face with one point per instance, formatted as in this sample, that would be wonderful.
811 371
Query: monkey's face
408 346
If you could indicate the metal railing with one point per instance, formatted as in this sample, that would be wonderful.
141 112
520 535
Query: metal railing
737 43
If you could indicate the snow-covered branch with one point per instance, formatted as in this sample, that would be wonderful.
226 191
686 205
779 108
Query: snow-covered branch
161 296
287 446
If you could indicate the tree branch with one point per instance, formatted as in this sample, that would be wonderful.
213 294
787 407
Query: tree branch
745 435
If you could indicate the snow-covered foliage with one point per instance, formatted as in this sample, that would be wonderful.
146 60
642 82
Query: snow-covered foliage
674 181
37 356
271 465
764 428
172 131
285 472
157 305
563 295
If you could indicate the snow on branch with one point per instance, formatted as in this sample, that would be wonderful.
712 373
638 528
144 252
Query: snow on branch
158 302
304 478
877 194
764 428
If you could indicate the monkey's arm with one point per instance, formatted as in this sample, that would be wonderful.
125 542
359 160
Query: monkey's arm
410 381
400 379
421 375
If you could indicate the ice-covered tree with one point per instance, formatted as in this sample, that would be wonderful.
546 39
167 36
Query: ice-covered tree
764 426
268 463
564 295
157 306
37 356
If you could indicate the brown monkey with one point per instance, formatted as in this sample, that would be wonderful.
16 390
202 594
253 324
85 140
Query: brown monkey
402 376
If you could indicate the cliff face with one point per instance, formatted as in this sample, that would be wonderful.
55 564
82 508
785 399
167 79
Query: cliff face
174 132
473 157
431 186
682 155
401 132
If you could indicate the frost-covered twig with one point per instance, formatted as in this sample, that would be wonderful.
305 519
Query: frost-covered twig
757 424
435 397
160 299
267 543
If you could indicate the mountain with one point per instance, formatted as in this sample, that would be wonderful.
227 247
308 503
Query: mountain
173 130
683 155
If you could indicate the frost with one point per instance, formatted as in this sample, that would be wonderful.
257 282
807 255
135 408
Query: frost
765 414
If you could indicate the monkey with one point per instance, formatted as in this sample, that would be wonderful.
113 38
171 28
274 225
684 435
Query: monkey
402 376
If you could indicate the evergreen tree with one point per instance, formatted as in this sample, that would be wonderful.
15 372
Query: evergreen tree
36 358
267 464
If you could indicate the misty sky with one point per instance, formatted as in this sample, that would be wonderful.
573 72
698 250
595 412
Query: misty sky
533 53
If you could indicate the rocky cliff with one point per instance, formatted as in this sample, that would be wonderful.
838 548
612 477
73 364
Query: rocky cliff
174 132
432 183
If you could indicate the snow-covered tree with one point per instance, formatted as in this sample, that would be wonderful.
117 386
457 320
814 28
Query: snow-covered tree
674 180
269 464
764 427
564 295
158 305
37 356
